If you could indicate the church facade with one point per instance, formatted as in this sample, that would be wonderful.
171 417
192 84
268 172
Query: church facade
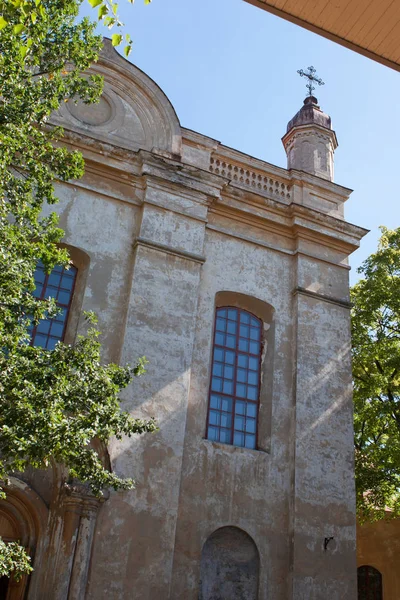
231 276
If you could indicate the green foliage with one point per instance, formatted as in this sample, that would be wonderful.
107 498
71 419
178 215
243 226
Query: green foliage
19 15
376 374
53 404
13 560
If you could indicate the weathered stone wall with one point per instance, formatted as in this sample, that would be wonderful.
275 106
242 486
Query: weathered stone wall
168 225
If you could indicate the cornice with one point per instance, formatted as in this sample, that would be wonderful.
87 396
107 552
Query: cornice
144 169
293 221
177 174
307 129
144 242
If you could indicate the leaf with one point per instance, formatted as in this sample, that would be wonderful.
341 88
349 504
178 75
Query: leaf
18 28
116 39
147 1
33 17
94 3
103 10
3 22
127 50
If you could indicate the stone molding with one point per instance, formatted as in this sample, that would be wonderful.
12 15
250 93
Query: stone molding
305 131
197 258
323 297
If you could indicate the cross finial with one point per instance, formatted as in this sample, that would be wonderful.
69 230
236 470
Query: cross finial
311 78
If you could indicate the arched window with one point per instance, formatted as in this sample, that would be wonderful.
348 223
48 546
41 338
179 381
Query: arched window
235 379
230 566
369 583
58 284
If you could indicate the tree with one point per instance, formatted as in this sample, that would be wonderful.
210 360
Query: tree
21 13
53 404
376 374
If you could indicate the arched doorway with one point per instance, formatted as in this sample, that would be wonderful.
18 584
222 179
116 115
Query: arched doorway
23 516
229 566
369 583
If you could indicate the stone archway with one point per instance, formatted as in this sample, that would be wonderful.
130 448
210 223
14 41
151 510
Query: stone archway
23 517
229 566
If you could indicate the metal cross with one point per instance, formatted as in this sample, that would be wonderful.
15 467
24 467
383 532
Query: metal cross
311 78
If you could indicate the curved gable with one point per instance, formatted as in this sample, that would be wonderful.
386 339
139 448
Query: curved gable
133 112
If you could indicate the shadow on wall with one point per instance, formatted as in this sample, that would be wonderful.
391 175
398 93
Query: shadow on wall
229 566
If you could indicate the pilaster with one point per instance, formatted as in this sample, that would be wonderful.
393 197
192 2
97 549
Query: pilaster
161 318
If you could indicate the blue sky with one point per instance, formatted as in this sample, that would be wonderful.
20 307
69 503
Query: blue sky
230 70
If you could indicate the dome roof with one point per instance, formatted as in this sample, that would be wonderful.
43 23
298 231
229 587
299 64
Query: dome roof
310 114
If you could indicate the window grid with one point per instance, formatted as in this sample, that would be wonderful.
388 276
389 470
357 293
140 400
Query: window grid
369 583
235 379
58 284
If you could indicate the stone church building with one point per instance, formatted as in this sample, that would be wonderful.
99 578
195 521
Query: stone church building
231 276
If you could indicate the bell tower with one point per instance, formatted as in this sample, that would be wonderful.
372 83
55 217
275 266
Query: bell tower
310 141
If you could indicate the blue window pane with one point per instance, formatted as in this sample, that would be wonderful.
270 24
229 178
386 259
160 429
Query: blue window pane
221 325
54 279
250 441
251 409
238 439
63 297
228 387
231 327
217 369
51 291
255 322
215 401
241 375
226 404
212 433
38 291
58 269
255 334
225 436
250 425
219 338
68 283
240 407
230 357
239 423
226 420
221 312
218 354
244 318
40 276
252 378
253 363
243 345
214 417
243 361
62 315
216 384
252 392
228 372
241 390
244 331
51 343
254 347
232 314
40 340
44 326
57 329
230 341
